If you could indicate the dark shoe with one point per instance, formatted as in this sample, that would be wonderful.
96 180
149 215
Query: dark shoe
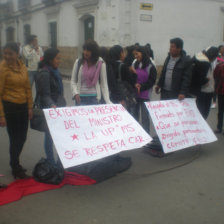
218 131
20 174
22 168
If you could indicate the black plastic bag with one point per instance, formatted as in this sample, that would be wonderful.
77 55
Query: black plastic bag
46 172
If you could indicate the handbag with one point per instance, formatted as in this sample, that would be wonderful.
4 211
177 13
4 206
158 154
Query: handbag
38 121
126 90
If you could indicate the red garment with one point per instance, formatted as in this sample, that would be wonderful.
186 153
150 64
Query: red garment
219 78
23 187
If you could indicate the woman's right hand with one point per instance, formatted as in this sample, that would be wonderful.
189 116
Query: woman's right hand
77 99
132 70
2 122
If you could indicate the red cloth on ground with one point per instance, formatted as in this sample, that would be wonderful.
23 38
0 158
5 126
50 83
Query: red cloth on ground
19 188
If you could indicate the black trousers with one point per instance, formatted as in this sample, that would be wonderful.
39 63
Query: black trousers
220 112
203 102
145 113
17 125
168 95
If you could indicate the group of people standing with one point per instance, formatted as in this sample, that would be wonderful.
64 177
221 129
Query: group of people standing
101 75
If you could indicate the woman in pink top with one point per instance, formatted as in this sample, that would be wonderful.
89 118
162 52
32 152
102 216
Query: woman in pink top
89 77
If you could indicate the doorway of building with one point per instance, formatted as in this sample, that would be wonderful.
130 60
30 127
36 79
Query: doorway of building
89 28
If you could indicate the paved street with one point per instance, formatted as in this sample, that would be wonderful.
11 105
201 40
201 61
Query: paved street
186 187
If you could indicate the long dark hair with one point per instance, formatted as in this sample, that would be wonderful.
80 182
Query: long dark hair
49 55
93 47
12 46
129 57
104 53
115 53
145 58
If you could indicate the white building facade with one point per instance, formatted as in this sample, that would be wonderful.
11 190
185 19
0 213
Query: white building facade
66 24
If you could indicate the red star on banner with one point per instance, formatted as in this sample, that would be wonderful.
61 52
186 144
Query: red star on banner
74 137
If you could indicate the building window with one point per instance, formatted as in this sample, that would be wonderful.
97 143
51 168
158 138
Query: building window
23 4
10 34
53 34
26 32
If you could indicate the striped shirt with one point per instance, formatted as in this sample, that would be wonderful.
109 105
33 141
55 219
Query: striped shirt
87 91
169 73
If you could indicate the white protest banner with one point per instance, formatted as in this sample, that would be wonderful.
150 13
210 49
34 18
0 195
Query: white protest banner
86 133
179 124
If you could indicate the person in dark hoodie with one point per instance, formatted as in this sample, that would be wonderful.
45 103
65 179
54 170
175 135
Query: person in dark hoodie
176 74
119 71
202 79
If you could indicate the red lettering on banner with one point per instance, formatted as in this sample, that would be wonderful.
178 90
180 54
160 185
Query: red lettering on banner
184 103
189 113
108 131
164 116
190 131
179 114
90 137
136 139
173 104
72 154
105 120
52 114
106 147
163 125
181 143
170 135
199 140
175 124
189 123
70 124
108 109
127 128
156 106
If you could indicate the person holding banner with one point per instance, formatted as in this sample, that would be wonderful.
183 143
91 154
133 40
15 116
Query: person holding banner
50 91
175 78
146 78
15 104
89 77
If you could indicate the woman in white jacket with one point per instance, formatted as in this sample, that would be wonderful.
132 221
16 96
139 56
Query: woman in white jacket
89 77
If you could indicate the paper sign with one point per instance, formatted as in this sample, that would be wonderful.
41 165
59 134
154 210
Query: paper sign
86 133
179 124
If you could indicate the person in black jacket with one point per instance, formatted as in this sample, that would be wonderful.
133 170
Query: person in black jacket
50 91
176 74
119 70
202 79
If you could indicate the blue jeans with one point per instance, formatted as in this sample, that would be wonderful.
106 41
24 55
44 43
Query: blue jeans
88 100
48 146
31 77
